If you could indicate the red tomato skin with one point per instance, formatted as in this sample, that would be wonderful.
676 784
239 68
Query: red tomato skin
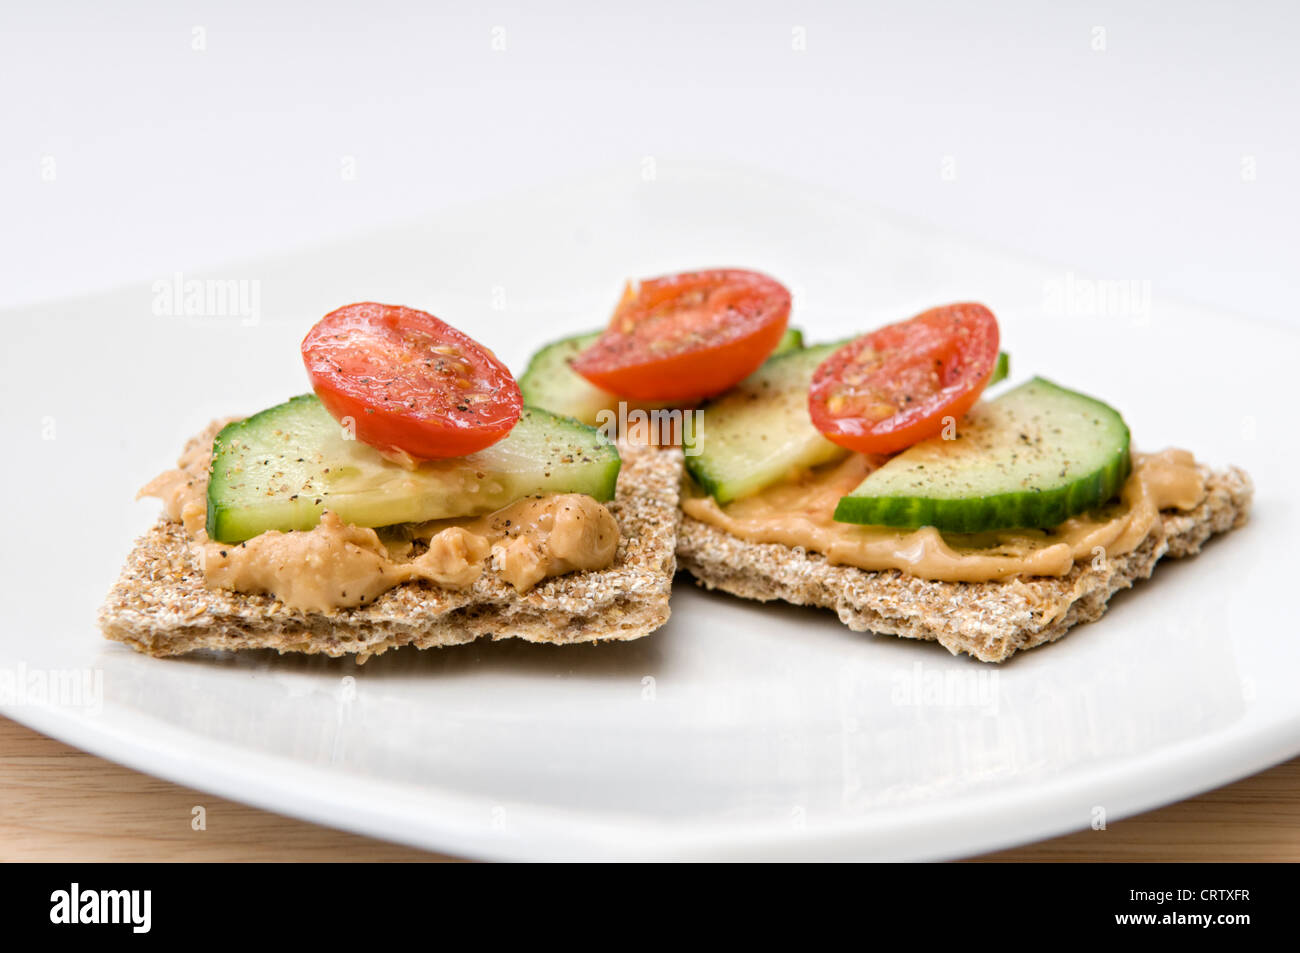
736 345
376 365
968 359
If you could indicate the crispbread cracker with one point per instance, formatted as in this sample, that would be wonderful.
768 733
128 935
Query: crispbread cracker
161 607
989 620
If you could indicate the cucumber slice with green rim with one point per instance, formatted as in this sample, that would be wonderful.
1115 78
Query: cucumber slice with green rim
1001 369
792 340
550 382
1031 458
758 432
281 468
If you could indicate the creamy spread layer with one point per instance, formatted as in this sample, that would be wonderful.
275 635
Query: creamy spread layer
338 565
798 512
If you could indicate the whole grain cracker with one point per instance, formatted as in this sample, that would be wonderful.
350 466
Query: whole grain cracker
161 607
988 620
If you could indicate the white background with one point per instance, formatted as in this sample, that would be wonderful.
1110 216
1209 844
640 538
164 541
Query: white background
1138 141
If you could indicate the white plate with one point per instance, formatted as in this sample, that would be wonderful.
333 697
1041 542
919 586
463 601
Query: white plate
739 730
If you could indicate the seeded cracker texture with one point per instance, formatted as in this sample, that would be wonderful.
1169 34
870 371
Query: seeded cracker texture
988 620
160 606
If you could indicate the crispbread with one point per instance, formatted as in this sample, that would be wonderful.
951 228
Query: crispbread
989 620
160 606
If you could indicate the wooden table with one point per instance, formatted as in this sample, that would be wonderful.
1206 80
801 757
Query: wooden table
58 803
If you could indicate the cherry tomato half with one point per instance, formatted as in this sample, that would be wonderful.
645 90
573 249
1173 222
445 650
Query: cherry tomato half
893 387
410 382
688 336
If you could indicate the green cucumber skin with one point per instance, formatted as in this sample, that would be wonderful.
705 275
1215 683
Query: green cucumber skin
549 382
792 340
985 514
718 473
771 402
1013 508
269 472
1001 369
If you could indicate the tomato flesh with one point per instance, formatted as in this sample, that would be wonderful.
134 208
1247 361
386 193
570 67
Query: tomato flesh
408 382
894 387
684 337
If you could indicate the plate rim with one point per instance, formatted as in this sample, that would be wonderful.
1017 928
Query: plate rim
968 827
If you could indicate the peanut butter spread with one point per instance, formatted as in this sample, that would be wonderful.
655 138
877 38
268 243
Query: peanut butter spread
338 565
798 513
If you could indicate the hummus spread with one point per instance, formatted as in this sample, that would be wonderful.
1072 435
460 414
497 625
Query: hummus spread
798 513
338 565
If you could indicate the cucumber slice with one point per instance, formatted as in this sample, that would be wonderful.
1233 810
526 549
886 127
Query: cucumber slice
1031 458
281 468
1001 369
549 382
760 431
792 340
